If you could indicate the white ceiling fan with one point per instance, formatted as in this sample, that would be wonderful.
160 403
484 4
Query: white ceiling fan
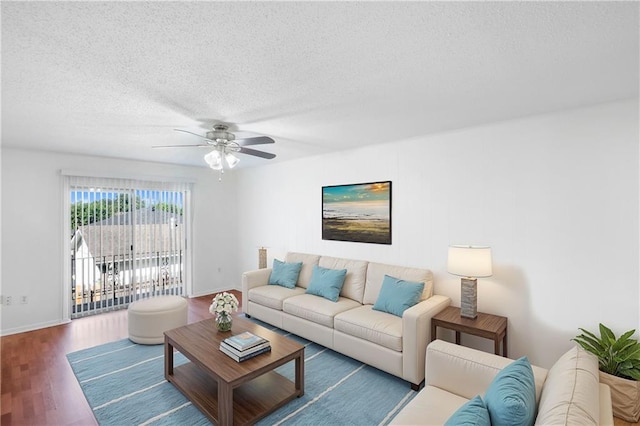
225 146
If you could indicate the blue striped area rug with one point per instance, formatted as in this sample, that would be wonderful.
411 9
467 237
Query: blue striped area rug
124 385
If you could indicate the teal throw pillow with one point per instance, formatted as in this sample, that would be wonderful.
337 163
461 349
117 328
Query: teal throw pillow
472 413
285 274
511 396
326 282
397 295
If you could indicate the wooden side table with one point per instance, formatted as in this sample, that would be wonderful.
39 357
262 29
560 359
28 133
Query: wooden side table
489 326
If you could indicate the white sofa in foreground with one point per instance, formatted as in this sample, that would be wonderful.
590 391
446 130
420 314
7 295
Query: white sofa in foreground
388 342
569 393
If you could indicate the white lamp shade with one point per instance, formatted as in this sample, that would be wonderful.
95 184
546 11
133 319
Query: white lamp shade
469 261
214 160
232 160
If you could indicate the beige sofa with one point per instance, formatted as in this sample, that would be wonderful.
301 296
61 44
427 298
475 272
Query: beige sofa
568 393
350 325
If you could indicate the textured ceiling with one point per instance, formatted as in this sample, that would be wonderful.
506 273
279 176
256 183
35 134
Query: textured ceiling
114 78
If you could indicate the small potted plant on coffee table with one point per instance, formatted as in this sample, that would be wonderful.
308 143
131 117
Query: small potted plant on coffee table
619 363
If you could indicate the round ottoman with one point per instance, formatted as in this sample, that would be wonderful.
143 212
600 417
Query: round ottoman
150 318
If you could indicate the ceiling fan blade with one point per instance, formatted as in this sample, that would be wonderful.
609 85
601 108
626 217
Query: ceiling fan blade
191 133
183 146
257 153
258 140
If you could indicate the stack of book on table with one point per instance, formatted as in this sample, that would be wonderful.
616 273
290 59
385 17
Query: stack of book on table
244 346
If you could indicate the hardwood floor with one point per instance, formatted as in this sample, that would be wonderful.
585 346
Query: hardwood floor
36 381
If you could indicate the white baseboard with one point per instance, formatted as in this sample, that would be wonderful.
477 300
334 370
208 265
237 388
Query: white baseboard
214 292
31 327
38 326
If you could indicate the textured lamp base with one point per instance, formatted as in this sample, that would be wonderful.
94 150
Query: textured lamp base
469 297
262 258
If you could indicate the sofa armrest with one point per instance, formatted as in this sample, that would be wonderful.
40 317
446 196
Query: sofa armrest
460 370
251 279
416 334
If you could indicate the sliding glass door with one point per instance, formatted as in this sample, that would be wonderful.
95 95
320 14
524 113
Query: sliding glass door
128 240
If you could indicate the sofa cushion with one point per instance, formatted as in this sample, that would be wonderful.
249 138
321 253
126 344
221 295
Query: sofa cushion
354 282
431 406
272 296
473 413
377 327
284 273
317 309
570 394
396 295
511 396
308 261
326 282
376 272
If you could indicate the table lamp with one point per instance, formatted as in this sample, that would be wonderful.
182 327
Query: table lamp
470 263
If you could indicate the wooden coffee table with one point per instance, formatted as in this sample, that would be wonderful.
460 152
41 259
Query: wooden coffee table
226 391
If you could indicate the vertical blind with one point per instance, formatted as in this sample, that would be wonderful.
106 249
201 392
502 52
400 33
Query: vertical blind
128 241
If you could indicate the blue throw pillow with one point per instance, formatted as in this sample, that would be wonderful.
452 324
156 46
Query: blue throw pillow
397 295
511 396
472 413
285 274
326 282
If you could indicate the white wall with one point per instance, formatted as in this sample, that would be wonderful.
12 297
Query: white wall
32 236
556 197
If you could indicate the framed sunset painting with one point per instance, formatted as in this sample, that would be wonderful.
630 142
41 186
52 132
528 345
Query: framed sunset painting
358 212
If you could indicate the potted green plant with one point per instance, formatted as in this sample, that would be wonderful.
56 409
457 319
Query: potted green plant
619 363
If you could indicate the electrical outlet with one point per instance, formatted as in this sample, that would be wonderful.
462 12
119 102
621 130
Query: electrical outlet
24 300
7 300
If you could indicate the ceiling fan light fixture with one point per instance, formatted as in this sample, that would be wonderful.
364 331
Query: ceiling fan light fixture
214 160
231 159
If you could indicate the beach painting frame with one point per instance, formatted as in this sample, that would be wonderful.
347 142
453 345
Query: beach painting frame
358 212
